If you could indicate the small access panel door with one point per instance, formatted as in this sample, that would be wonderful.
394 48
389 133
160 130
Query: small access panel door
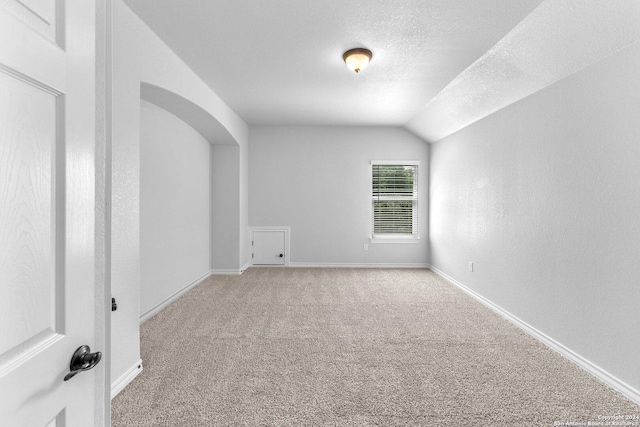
268 247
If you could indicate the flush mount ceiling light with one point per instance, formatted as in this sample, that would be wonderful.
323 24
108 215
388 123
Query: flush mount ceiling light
357 59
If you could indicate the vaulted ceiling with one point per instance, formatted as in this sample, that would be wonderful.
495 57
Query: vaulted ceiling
438 65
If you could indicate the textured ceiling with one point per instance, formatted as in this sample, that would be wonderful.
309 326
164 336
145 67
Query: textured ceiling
437 65
557 39
280 61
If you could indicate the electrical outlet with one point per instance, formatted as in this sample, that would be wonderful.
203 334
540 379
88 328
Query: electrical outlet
470 266
365 247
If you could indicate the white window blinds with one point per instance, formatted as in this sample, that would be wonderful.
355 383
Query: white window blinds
394 203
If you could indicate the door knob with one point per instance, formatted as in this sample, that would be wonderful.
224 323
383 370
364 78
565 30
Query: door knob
281 255
82 360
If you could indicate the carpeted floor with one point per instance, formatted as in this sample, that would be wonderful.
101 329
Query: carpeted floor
349 347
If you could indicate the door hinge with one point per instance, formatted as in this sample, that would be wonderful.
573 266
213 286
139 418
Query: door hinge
251 256
114 306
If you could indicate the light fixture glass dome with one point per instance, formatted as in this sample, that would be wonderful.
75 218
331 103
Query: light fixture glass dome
357 59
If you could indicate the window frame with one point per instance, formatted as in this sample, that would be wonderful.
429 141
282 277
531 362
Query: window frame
412 237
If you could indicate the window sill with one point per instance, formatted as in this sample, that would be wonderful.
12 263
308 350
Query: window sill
394 239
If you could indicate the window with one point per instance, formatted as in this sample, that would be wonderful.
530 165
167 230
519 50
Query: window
394 199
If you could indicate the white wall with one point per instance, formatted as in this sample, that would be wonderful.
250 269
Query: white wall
544 198
225 209
317 180
174 206
245 237
140 57
231 251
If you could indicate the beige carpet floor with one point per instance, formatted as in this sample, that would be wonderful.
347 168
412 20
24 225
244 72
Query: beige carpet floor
349 347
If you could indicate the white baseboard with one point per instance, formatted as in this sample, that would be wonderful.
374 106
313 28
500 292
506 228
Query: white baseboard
613 382
124 380
154 310
221 272
364 265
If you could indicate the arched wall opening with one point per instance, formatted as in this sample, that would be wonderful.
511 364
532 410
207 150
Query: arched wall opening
189 112
188 197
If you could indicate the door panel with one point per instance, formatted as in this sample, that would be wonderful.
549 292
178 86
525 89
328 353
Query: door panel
268 248
40 15
58 421
28 306
47 210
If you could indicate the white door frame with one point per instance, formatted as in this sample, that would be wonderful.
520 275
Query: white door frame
287 241
103 177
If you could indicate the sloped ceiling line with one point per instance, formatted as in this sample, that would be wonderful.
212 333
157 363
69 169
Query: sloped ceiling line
557 39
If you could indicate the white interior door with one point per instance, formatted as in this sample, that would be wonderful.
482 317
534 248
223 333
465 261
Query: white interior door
268 247
47 210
